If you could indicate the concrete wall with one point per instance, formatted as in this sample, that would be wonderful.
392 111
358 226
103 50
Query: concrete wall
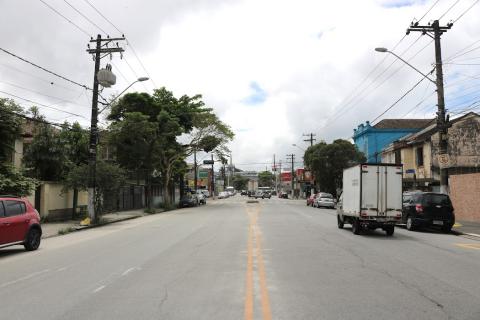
465 195
57 206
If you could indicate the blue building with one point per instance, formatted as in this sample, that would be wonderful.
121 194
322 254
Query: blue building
372 139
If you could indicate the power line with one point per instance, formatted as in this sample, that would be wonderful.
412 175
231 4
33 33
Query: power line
70 21
44 69
141 63
42 105
433 5
448 10
100 13
468 9
84 16
400 99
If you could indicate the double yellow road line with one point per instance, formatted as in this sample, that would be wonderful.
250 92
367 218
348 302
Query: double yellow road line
254 250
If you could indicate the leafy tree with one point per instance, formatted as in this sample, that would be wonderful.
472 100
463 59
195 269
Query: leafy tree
239 182
109 178
10 127
146 130
12 180
327 162
265 179
45 158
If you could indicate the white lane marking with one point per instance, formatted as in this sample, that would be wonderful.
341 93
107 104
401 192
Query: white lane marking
98 289
127 271
62 269
24 278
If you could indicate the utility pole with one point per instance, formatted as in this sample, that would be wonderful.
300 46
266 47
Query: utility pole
195 170
101 50
275 174
311 135
213 179
291 157
443 122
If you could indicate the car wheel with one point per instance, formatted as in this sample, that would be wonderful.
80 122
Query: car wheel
389 230
356 227
340 222
32 241
410 224
446 228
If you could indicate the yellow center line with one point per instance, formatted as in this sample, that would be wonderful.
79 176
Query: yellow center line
474 246
254 236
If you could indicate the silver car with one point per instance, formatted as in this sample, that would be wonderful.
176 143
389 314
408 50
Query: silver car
324 200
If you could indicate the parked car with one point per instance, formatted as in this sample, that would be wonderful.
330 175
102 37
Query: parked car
426 209
223 195
324 200
19 223
243 193
202 198
311 199
283 195
189 200
205 192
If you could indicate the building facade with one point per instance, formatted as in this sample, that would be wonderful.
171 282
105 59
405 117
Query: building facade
371 140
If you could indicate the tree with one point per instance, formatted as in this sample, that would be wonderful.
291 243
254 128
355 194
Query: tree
12 180
265 179
146 130
75 140
239 182
109 178
327 161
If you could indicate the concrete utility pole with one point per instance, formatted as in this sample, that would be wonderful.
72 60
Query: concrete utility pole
311 135
213 179
443 122
195 170
100 48
291 157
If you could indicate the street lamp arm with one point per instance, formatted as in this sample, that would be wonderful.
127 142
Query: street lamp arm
108 104
406 62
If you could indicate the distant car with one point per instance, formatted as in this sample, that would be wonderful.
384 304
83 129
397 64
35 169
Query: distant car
311 199
189 200
205 192
324 200
19 223
223 195
283 195
426 209
243 193
262 194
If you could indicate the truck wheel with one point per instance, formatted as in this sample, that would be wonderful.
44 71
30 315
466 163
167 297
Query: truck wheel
389 230
410 225
340 222
356 227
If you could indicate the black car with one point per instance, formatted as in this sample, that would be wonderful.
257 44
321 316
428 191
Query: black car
189 200
426 209
283 195
244 193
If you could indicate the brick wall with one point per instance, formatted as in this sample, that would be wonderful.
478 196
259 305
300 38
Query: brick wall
465 195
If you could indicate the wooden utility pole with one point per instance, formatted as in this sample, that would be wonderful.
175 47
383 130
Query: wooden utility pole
435 31
311 135
101 50
291 157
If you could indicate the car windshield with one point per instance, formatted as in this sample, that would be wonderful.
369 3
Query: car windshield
436 199
326 195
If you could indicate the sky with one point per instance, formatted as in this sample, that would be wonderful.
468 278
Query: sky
273 70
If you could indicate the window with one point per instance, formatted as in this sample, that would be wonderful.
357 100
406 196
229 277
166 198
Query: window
2 210
420 156
398 157
14 208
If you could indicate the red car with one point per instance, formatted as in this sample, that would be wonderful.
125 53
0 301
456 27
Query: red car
311 199
19 223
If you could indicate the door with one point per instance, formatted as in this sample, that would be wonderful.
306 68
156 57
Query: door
3 227
15 221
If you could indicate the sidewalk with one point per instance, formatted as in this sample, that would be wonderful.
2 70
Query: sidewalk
467 228
51 229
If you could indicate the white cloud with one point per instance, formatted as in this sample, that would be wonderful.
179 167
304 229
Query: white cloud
307 56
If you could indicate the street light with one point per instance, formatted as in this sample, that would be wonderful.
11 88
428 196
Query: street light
380 49
295 145
141 79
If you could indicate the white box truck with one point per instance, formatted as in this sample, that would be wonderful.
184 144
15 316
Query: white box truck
371 197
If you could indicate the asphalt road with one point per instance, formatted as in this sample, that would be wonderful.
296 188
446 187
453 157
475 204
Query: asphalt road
276 259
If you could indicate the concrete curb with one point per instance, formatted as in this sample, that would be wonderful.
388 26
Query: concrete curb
81 228
472 236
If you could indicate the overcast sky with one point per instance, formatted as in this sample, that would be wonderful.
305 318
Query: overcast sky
272 69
